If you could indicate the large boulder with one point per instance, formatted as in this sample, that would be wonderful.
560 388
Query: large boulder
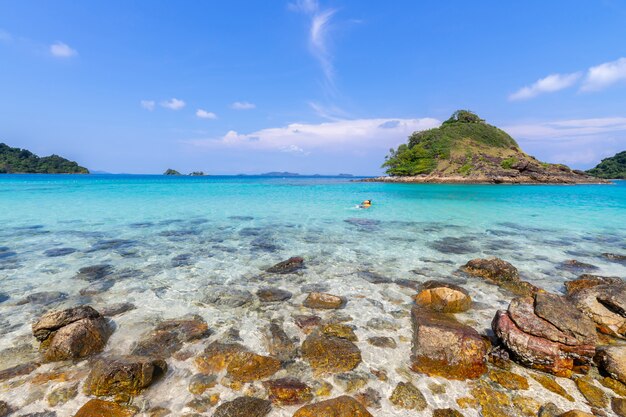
444 347
122 376
169 335
605 304
501 273
546 332
343 406
73 333
330 354
588 281
443 297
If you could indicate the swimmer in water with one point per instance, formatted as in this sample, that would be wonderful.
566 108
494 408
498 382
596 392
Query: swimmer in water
366 204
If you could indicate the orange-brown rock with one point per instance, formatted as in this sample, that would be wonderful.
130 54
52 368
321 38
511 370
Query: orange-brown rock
217 356
320 300
589 281
343 406
444 347
330 353
443 297
126 375
169 335
101 408
248 367
501 273
244 407
576 413
288 391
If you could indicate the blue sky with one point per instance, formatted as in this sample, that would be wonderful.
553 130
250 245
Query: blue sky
305 86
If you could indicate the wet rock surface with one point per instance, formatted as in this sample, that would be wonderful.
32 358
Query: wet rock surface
324 301
101 408
248 367
443 297
217 356
122 376
612 360
273 295
289 266
227 297
330 354
244 407
501 273
408 396
170 335
343 406
288 391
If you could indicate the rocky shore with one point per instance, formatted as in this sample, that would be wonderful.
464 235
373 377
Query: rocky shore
550 342
504 177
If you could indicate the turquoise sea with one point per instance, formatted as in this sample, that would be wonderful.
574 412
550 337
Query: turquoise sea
169 242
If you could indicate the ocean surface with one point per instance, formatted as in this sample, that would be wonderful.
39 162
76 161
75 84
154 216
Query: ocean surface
170 242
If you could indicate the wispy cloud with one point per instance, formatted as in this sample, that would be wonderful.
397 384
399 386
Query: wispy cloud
567 129
148 104
604 75
62 50
173 104
329 112
5 36
203 114
242 105
318 34
303 138
549 84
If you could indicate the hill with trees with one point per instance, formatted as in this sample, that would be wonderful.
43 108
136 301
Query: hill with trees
22 161
611 168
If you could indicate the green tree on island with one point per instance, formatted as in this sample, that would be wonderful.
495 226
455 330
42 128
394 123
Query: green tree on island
22 161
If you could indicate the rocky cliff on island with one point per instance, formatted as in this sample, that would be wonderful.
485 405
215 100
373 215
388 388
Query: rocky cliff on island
465 149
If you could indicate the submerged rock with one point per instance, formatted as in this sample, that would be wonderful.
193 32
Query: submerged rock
227 297
382 342
244 407
573 265
5 409
288 391
18 370
217 356
94 272
588 281
307 322
168 337
53 253
125 375
289 266
319 300
101 408
615 257
72 333
273 295
343 406
279 345
501 273
248 367
43 298
116 309
443 297
408 396
330 353
444 347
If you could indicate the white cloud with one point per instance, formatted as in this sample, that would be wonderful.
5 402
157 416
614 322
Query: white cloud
148 104
344 135
173 104
567 129
604 75
242 105
203 114
62 50
549 84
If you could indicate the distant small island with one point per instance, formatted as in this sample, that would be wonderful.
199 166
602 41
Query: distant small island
280 174
170 171
22 161
611 168
465 149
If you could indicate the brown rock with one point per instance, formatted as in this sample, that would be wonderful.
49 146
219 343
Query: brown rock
444 347
612 359
604 304
446 412
100 408
508 380
307 322
382 342
168 337
244 407
279 345
273 295
127 375
618 387
589 281
492 403
320 300
288 391
18 370
576 413
217 356
561 313
522 312
339 330
408 396
527 406
550 384
343 406
286 267
443 297
330 354
594 395
62 395
618 405
248 367
369 398
199 383
501 273
54 320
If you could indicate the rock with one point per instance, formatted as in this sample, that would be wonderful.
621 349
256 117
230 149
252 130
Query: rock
97 287
201 382
324 301
549 410
522 313
382 342
369 398
248 367
94 272
244 407
408 396
618 387
273 295
501 273
374 277
508 380
100 408
18 370
307 322
5 409
550 384
288 391
443 297
567 318
351 381
228 297
573 265
527 406
589 281
116 309
618 405
62 395
73 333
43 298
202 404
612 360
605 304
287 267
279 345
382 323
330 354
576 413
339 330
615 257
446 412
492 403
169 335
343 406
217 356
444 347
125 375
595 396
53 253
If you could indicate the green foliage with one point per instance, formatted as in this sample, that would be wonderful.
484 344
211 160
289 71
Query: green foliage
16 160
171 171
611 168
508 162
426 148
466 168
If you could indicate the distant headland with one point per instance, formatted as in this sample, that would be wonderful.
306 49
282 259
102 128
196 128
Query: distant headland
22 161
465 149
611 168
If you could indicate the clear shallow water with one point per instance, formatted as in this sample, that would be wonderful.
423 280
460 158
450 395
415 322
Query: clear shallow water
173 240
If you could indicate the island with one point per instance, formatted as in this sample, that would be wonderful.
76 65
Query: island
171 171
466 149
611 168
22 161
197 174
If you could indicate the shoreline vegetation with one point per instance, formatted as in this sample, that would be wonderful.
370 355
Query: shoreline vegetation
467 150
22 161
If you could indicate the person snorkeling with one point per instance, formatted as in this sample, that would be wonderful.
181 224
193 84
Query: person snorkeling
366 204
